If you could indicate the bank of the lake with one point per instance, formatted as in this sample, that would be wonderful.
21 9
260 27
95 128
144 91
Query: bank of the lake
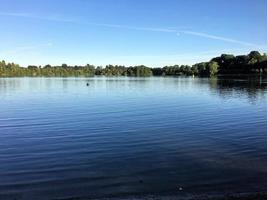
253 64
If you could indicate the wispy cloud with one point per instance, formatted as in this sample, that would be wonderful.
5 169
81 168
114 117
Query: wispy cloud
214 37
57 18
20 49
179 32
15 14
166 30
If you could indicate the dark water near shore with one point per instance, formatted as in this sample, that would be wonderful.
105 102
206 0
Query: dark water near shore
125 136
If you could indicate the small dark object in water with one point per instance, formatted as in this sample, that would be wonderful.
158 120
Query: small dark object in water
87 84
141 181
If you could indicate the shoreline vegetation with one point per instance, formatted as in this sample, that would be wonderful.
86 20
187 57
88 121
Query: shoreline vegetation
254 63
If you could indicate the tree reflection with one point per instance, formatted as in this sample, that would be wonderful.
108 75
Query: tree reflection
253 88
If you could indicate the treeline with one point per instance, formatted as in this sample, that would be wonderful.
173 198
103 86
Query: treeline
253 63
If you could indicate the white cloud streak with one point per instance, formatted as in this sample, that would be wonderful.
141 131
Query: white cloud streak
82 22
214 37
20 49
57 18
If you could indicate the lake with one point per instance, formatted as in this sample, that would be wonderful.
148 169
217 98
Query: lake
119 137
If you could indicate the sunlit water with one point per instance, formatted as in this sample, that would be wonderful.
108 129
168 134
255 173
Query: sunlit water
131 136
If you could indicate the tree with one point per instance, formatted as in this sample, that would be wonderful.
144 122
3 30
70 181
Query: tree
254 55
64 66
213 68
202 68
254 62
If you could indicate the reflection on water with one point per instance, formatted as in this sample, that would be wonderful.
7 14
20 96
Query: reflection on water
253 89
60 138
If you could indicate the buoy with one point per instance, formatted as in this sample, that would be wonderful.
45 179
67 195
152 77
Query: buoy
180 189
87 84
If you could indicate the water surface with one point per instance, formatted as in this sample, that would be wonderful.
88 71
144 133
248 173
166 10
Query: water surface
60 139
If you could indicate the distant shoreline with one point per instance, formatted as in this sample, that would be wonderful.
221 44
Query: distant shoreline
252 64
242 76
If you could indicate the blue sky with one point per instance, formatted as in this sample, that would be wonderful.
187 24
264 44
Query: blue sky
130 32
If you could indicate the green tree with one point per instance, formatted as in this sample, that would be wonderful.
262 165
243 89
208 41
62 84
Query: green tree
213 68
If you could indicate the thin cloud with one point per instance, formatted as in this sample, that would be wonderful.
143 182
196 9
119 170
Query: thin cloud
25 48
129 27
82 22
214 37
57 18
15 14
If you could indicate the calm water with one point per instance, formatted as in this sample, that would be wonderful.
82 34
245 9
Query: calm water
131 136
